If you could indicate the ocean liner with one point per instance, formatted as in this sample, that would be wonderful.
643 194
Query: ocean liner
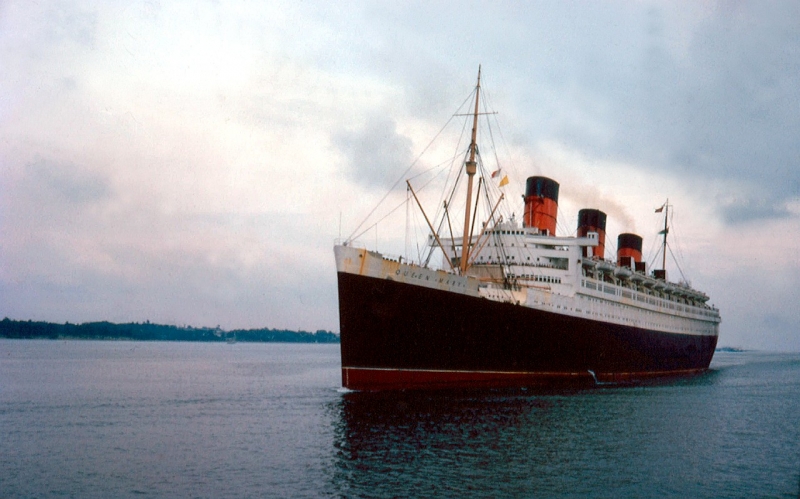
512 303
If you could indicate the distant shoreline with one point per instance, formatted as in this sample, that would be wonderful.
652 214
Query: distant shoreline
108 331
146 331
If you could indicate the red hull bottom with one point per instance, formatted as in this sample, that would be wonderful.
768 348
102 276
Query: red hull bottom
366 379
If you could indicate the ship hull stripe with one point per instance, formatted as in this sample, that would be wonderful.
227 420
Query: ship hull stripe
369 379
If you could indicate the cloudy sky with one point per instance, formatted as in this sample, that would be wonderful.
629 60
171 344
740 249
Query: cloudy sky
190 162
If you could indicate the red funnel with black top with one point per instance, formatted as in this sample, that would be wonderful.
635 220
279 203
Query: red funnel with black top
592 220
629 250
541 204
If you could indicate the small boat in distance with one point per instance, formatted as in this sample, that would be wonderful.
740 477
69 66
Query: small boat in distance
513 304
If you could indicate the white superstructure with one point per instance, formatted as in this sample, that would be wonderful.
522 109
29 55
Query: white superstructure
517 264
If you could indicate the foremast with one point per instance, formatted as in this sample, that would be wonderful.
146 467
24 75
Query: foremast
665 232
471 169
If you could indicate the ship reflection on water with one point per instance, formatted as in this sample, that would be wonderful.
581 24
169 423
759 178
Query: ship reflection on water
517 443
370 420
412 443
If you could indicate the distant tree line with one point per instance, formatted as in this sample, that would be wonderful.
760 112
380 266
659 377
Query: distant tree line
154 332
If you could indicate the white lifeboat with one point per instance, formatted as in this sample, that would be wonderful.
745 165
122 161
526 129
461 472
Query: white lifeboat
605 266
623 272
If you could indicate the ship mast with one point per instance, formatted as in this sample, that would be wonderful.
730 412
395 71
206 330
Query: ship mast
471 168
664 246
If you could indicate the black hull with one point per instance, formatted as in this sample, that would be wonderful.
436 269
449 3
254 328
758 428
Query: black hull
396 335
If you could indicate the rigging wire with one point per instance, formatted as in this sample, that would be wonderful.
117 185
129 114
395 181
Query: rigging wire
453 182
610 245
653 252
400 178
655 245
653 255
507 208
511 164
652 262
560 224
669 247
406 251
680 259
351 238
458 179
440 215
417 224
452 186
455 172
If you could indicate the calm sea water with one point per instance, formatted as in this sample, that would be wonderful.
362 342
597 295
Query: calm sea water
125 419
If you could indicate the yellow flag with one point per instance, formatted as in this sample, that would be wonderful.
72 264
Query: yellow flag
504 181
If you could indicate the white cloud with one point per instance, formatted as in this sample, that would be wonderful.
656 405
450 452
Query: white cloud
188 162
